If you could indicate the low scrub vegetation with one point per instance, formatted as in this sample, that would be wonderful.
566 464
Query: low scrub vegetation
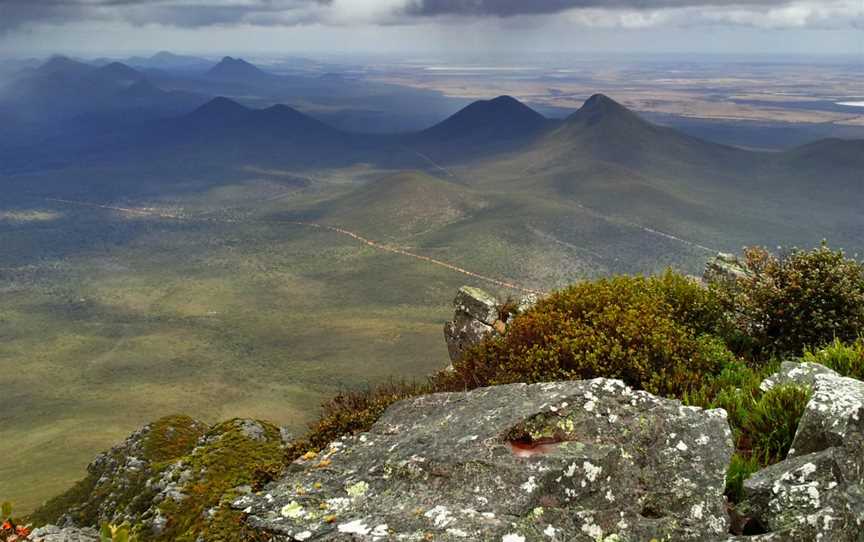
649 332
710 347
801 299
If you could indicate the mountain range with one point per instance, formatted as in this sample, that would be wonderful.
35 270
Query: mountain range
603 157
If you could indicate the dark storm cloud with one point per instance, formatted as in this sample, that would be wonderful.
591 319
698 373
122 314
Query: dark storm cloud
197 13
507 8
191 13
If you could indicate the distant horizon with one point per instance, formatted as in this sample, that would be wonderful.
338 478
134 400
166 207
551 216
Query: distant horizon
472 58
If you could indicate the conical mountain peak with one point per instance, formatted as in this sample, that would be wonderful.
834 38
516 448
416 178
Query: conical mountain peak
503 116
236 68
600 107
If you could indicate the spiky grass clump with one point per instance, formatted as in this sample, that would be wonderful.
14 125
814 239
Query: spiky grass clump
845 359
771 423
763 423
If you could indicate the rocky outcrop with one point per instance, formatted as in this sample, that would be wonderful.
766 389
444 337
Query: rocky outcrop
52 533
725 268
171 479
116 488
818 492
478 315
586 460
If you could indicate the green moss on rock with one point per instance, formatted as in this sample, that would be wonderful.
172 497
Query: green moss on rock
232 458
172 437
116 487
173 480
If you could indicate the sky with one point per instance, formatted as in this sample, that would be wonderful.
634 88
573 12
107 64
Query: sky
748 27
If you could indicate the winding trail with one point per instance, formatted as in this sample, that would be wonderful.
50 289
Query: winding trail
335 229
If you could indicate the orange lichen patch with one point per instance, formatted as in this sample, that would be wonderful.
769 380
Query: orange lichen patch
523 448
323 463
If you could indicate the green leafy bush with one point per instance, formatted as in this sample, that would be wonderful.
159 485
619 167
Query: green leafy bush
845 359
735 389
648 332
800 299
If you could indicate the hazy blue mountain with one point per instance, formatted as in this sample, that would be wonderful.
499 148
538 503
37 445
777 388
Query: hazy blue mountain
237 70
165 60
503 117
64 96
486 126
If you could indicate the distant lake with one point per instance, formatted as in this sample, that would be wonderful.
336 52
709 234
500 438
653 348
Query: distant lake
851 104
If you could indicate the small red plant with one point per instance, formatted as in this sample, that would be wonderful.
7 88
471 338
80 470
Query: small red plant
9 531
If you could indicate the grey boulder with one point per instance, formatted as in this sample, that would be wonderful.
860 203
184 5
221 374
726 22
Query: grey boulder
818 492
585 460
53 533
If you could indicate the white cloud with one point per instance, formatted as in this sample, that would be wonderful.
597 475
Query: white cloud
824 14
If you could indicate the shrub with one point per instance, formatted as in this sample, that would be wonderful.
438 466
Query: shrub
847 360
225 459
116 533
800 299
691 305
352 412
735 389
648 332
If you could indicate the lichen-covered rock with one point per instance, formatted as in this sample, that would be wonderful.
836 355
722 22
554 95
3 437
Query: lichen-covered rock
834 416
725 268
116 487
818 492
590 460
175 480
474 319
53 533
463 333
477 316
808 497
792 372
477 304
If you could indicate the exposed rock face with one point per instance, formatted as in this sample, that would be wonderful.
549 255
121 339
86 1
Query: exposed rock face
818 493
173 479
725 268
116 488
587 460
52 533
474 320
477 316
